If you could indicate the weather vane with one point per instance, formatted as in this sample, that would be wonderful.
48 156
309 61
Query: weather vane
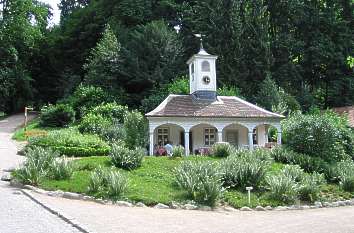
200 36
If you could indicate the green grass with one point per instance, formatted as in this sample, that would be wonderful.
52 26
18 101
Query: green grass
151 183
32 126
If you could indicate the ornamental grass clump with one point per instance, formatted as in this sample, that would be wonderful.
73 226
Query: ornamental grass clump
310 186
116 184
108 183
245 168
222 149
345 173
177 151
201 180
294 172
61 169
125 158
36 166
282 188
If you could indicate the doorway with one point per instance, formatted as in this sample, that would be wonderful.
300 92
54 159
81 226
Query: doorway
232 137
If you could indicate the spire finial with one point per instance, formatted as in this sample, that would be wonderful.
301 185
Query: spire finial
200 36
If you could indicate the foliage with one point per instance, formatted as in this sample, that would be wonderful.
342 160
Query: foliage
228 91
222 149
345 172
306 162
123 157
316 135
103 66
36 166
135 127
71 143
310 187
178 151
61 169
107 182
294 172
110 110
116 184
94 124
113 133
87 97
244 168
59 115
282 188
201 180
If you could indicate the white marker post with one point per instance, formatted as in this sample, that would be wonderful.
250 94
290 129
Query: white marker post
249 194
26 109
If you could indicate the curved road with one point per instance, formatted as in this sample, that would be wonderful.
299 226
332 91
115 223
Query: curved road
112 219
18 213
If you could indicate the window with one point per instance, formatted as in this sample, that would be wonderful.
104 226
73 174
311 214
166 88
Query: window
209 136
255 136
162 136
205 66
192 68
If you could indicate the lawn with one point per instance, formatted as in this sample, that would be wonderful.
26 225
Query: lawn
33 128
151 183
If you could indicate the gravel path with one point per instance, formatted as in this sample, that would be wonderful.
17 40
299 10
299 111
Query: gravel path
18 213
113 219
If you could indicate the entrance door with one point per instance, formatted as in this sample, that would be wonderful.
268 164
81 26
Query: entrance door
232 137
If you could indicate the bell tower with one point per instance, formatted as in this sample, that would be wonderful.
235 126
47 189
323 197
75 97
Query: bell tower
202 75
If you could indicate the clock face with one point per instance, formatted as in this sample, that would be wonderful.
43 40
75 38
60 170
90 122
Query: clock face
206 79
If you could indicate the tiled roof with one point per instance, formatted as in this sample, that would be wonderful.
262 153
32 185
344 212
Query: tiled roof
349 111
224 106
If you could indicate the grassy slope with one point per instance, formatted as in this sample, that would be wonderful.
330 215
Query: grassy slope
33 126
152 183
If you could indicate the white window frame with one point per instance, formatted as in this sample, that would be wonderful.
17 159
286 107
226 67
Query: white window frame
209 134
164 135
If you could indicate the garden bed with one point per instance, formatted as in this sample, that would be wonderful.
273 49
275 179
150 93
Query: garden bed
154 182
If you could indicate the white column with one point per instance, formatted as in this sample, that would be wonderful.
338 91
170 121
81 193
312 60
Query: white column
266 134
220 136
250 140
279 138
151 148
186 142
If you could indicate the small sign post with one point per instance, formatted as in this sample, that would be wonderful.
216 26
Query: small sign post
26 113
249 194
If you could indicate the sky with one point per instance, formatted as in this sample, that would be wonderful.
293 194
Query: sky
56 12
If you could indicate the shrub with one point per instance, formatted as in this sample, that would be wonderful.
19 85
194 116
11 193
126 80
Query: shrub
87 97
308 163
94 124
116 184
97 181
345 172
36 166
136 130
244 169
317 135
282 188
222 149
108 183
61 169
309 187
201 180
178 151
113 133
125 158
294 172
57 116
71 143
110 111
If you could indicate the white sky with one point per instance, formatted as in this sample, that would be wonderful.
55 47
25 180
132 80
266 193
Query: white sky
56 12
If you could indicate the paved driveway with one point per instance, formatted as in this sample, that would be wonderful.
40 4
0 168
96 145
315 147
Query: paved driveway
18 213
